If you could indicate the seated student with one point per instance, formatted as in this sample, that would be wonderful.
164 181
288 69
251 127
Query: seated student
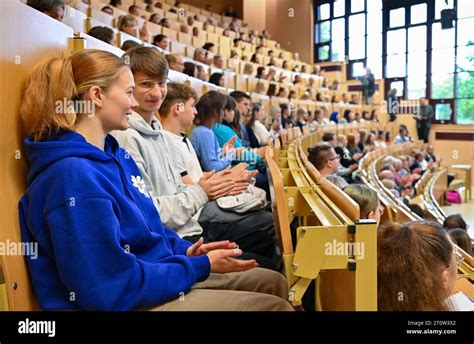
417 267
103 33
212 107
217 79
155 155
460 237
455 221
165 23
319 117
161 41
101 243
324 158
52 8
155 18
431 157
244 105
368 201
133 10
347 159
257 127
403 135
175 118
229 129
127 45
128 24
175 62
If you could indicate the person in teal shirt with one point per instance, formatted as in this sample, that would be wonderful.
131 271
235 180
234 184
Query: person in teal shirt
224 132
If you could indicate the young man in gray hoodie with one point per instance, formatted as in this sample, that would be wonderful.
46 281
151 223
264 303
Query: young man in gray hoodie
177 203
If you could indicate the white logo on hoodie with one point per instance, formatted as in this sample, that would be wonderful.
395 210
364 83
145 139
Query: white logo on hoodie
139 183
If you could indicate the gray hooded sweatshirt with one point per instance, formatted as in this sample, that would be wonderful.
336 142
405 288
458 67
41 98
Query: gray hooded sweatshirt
153 152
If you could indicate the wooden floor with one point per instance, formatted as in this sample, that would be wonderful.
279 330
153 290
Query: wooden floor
467 212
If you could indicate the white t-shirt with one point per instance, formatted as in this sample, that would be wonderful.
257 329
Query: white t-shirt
187 156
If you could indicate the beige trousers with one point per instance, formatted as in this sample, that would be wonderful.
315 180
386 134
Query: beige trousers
253 290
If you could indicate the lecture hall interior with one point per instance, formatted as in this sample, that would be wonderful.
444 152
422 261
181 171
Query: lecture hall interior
237 155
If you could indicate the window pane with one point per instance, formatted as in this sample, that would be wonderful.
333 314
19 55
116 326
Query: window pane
323 53
358 69
396 41
375 65
339 8
465 8
418 14
374 45
324 12
417 64
396 65
442 86
465 59
442 61
356 47
465 27
374 22
374 5
357 6
417 38
465 111
357 25
442 38
465 84
398 85
338 40
397 17
416 87
323 32
443 112
441 5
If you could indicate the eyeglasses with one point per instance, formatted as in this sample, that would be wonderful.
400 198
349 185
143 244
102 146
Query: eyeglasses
459 258
337 157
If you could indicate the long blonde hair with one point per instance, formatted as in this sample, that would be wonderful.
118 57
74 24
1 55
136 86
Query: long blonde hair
64 80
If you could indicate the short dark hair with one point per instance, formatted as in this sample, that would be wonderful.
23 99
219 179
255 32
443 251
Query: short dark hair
208 45
177 93
328 136
130 44
147 60
215 77
103 33
239 95
45 5
454 221
320 154
158 38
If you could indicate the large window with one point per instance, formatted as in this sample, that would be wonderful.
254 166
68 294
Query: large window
407 39
350 31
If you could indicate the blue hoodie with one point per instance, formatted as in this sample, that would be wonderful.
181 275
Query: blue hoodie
101 242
